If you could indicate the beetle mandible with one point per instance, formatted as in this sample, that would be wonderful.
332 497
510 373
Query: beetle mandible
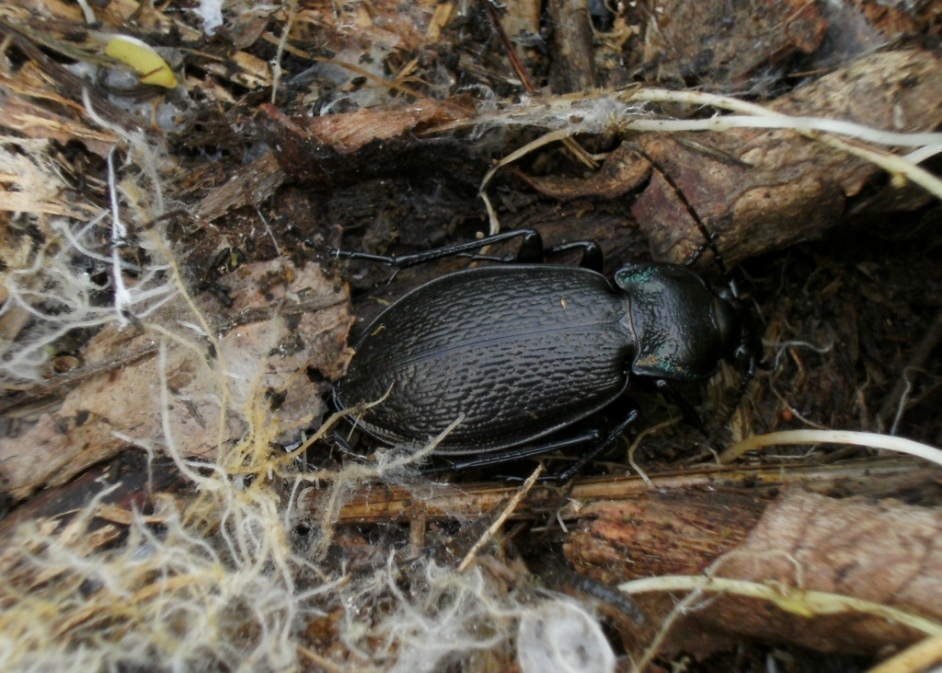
523 351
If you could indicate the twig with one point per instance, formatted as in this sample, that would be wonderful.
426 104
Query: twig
499 521
640 438
515 61
395 504
276 64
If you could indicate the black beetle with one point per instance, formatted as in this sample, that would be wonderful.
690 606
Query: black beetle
524 351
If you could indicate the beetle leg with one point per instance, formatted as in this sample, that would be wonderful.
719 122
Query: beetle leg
665 388
747 376
511 455
601 447
591 253
531 250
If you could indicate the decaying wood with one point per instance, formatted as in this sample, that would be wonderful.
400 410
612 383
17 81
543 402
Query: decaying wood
725 42
136 483
250 187
375 124
762 190
662 532
739 523
574 66
395 504
757 190
884 553
349 148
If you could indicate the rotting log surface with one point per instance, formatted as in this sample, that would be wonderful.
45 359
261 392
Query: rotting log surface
779 526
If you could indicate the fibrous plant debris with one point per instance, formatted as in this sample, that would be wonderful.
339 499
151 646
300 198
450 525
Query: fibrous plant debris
168 175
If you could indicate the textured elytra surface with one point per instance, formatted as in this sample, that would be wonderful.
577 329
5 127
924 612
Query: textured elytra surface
520 351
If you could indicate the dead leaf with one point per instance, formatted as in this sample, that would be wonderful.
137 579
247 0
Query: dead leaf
283 321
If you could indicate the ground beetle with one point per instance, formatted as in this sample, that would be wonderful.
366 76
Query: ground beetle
524 351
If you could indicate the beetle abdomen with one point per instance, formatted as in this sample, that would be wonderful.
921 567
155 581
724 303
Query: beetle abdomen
520 351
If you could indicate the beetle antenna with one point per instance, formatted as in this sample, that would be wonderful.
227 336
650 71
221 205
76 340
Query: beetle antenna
709 237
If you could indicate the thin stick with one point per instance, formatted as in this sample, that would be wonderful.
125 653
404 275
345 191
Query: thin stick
640 438
551 137
276 64
509 49
499 521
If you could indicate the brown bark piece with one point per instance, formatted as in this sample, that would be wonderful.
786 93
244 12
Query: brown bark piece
763 190
573 66
668 533
897 19
249 187
885 553
724 42
350 131
752 208
354 147
622 172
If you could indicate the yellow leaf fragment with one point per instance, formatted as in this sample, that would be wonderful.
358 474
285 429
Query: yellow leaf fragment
150 66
